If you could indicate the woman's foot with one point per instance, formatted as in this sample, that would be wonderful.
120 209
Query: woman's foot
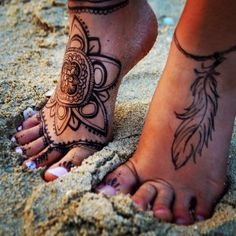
77 119
179 167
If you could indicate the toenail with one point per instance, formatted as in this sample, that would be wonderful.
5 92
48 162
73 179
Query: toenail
57 171
160 212
49 93
19 128
200 218
30 165
13 139
107 190
19 150
28 113
180 221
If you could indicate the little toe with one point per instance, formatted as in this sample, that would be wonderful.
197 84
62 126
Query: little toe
28 135
182 208
144 195
203 209
121 180
73 158
30 122
45 158
163 203
34 147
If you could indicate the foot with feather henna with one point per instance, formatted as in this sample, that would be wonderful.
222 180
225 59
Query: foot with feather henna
179 167
77 119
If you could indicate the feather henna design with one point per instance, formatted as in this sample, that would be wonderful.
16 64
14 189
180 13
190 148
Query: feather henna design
197 121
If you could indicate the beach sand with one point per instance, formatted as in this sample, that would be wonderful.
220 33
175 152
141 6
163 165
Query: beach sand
32 42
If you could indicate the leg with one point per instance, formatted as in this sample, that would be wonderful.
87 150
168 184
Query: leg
77 120
180 164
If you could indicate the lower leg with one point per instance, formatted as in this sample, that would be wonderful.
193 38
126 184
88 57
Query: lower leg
180 163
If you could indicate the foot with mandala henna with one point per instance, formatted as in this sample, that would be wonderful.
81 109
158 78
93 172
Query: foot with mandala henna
77 119
179 167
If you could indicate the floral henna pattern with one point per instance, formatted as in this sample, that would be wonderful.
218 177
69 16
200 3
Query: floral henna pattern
87 76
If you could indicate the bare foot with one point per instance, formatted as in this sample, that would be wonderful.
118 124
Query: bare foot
179 167
77 120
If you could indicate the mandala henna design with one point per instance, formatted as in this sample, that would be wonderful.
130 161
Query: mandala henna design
197 121
87 76
100 7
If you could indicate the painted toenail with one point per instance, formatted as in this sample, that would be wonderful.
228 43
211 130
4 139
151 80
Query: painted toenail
58 171
107 190
181 222
13 139
30 165
49 93
28 113
19 128
19 150
200 218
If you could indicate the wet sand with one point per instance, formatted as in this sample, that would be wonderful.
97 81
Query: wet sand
32 41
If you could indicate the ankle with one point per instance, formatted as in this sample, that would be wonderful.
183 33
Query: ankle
118 27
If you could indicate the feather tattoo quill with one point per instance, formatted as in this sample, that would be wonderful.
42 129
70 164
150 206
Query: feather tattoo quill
198 119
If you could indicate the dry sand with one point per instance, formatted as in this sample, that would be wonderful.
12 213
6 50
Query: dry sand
32 39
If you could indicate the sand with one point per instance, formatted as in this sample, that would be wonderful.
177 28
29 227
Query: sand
32 40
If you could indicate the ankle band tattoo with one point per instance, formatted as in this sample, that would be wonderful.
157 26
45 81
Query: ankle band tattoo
87 77
100 7
198 119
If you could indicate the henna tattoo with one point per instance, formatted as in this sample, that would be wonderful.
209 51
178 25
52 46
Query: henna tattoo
68 165
197 121
84 86
87 77
100 7
43 158
41 131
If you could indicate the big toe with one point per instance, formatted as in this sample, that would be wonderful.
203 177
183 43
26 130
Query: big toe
73 158
121 180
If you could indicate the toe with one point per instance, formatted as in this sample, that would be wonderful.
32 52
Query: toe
45 158
33 148
73 158
121 180
163 203
25 136
203 209
182 208
31 122
144 195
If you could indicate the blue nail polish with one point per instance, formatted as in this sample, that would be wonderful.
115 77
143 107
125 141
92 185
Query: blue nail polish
30 165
